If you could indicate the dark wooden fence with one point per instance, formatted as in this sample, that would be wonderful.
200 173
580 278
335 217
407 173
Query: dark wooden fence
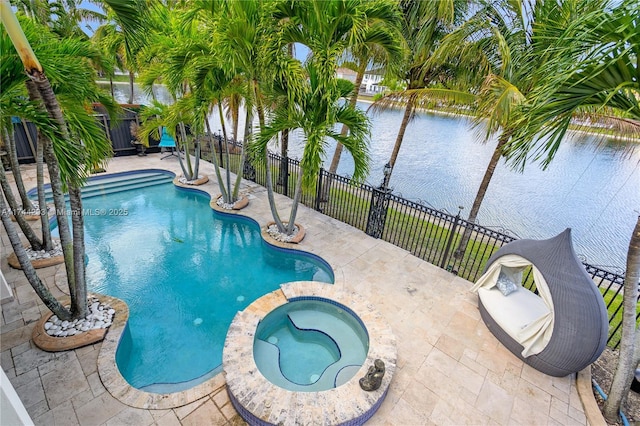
118 132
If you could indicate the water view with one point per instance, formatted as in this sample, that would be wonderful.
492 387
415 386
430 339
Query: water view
441 163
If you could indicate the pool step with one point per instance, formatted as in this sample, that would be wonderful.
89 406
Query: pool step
105 188
334 375
339 331
271 369
100 186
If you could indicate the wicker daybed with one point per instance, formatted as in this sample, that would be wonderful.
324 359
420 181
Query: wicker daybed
562 327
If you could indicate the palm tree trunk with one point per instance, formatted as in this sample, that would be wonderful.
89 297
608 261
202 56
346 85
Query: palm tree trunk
235 112
283 177
185 172
47 242
113 94
15 169
247 137
630 335
294 205
79 307
34 242
187 153
408 111
131 79
227 157
270 196
335 161
482 190
40 89
256 95
196 152
216 166
29 271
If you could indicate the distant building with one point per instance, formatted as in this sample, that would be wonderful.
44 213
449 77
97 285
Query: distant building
371 82
346 74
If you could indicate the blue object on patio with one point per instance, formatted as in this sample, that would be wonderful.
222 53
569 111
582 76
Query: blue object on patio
167 141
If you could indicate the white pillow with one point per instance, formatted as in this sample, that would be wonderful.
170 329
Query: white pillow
505 285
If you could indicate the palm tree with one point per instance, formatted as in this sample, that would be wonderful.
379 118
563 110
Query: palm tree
68 161
173 118
40 90
315 112
501 42
382 45
170 55
193 66
593 72
111 40
65 17
424 24
327 28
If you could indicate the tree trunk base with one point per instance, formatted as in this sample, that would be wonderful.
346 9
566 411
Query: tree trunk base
57 344
295 239
238 205
180 181
37 263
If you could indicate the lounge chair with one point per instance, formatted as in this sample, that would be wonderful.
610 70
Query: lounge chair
562 327
167 141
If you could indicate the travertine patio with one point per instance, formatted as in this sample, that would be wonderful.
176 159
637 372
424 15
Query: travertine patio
450 370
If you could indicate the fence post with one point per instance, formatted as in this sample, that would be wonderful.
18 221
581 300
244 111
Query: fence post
378 211
248 171
220 150
452 234
319 190
284 170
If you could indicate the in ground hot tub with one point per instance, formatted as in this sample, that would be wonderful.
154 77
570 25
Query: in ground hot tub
310 345
296 355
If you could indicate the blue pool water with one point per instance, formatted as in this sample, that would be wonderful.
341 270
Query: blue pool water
184 271
310 345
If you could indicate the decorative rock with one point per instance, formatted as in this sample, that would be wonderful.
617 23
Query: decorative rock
100 316
41 254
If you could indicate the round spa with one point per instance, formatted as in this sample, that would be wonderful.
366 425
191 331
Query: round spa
310 345
296 356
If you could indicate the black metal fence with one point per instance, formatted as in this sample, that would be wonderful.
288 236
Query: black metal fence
429 234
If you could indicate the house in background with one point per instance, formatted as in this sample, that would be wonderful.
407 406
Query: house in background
371 82
346 74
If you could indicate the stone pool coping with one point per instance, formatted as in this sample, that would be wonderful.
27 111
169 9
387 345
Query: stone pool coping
120 389
261 401
110 375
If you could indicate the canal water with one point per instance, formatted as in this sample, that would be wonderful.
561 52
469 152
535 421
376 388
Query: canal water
442 161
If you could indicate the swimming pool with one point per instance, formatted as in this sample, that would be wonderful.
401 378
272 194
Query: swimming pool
184 271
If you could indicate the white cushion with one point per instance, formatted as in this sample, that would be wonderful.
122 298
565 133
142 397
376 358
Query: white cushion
514 312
